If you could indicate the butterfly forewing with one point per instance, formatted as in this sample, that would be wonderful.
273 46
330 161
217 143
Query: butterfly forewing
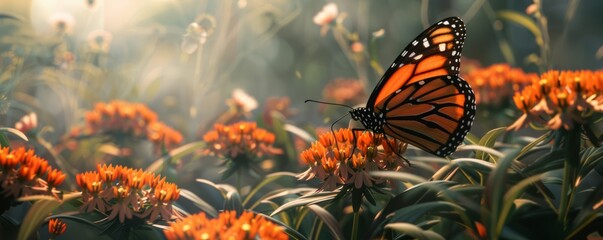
435 52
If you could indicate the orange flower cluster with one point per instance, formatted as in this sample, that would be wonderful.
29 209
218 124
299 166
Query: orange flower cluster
494 85
561 97
345 91
336 159
22 173
136 119
56 227
242 138
227 225
127 192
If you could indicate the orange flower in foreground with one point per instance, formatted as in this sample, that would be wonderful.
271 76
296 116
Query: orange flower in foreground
127 192
22 174
242 138
227 225
562 98
56 227
494 85
336 160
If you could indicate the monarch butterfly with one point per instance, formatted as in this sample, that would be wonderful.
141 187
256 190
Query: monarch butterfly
421 99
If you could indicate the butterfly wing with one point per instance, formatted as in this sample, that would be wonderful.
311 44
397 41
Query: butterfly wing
421 97
433 114
435 52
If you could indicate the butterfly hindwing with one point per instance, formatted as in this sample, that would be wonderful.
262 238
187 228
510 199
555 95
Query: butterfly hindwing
433 114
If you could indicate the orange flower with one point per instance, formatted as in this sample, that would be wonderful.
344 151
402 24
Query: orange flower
56 227
127 192
227 225
345 91
494 85
55 177
132 119
242 138
562 97
160 134
337 160
22 172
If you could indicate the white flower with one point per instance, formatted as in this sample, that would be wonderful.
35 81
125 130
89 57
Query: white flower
327 15
27 122
62 22
244 100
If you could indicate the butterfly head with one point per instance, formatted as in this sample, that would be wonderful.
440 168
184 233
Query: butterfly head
369 119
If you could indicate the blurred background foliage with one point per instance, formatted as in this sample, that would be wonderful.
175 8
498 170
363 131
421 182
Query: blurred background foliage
268 48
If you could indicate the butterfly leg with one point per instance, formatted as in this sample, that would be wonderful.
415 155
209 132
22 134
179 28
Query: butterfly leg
394 150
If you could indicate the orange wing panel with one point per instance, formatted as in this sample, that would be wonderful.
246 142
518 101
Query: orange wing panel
396 81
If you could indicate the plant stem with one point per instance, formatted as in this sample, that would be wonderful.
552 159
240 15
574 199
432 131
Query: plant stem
239 182
572 162
355 225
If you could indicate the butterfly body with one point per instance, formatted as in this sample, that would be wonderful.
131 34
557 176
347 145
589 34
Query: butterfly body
421 99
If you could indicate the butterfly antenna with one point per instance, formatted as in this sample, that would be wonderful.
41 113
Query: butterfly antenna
328 103
333 124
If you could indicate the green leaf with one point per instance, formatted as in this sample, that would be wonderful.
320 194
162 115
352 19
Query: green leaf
513 193
281 134
524 21
282 192
233 202
200 203
414 231
488 140
548 162
534 143
494 193
175 154
420 193
471 139
268 179
306 200
41 208
14 132
328 219
463 164
303 134
400 176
